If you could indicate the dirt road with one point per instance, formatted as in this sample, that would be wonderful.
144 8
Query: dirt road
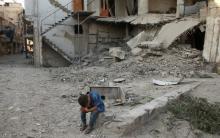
31 103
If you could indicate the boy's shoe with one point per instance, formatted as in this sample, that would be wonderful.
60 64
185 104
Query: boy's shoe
88 130
83 127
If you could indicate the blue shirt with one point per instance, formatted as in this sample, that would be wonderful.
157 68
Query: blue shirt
96 100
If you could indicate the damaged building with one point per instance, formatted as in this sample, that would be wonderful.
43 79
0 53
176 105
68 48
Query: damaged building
11 28
73 29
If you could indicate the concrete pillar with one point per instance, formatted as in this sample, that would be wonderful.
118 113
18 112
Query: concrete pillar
37 36
180 8
120 8
85 5
143 6
211 51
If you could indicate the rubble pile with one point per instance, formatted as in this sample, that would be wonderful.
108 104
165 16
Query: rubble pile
179 61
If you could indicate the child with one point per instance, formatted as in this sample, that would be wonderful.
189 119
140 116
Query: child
91 102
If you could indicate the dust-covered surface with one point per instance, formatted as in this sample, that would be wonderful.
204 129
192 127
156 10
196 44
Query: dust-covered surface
209 89
166 126
42 102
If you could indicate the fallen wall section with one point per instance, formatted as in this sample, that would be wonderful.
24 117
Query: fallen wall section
170 32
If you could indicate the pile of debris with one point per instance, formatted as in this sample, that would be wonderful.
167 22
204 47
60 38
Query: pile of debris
180 61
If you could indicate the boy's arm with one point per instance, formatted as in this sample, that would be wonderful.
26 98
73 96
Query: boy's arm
86 110
92 109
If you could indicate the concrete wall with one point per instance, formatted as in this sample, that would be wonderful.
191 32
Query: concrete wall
193 9
62 35
52 58
161 6
94 5
11 12
107 30
120 8
45 9
143 6
103 33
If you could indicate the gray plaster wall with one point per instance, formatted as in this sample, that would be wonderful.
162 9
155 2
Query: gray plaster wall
120 8
46 9
161 6
192 9
70 43
62 35
52 59
94 5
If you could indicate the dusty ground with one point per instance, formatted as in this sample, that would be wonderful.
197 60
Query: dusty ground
32 103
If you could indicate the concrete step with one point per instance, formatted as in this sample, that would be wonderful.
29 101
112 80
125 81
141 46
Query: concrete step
59 51
55 24
141 115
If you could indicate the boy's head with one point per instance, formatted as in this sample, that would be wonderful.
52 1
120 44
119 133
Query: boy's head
83 100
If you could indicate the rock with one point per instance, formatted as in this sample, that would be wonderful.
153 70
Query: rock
85 63
136 51
140 59
152 53
117 52
119 80
135 41
201 74
150 44
164 74
64 96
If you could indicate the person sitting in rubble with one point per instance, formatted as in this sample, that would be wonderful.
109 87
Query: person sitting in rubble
91 102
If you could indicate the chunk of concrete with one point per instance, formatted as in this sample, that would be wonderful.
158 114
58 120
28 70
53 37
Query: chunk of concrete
139 116
117 52
119 80
167 82
136 51
150 44
135 41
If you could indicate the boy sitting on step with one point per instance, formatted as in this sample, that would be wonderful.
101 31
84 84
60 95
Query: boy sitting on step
91 102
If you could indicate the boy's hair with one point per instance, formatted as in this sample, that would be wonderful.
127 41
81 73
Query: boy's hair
83 100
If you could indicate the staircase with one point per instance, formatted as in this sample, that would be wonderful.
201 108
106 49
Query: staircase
58 50
60 6
57 23
52 35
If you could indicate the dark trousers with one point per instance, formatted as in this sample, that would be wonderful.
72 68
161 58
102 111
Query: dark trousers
93 118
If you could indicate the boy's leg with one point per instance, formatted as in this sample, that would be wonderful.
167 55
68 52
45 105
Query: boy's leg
83 119
92 121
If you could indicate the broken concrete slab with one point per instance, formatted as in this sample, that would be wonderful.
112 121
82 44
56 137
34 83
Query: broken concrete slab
150 44
119 80
136 51
150 52
170 32
110 93
117 52
141 115
134 42
167 82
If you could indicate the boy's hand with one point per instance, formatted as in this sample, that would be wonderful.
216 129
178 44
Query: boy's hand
84 110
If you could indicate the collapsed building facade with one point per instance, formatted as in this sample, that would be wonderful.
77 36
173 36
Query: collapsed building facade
76 28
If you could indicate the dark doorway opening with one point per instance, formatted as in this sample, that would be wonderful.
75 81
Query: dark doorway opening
198 39
195 38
